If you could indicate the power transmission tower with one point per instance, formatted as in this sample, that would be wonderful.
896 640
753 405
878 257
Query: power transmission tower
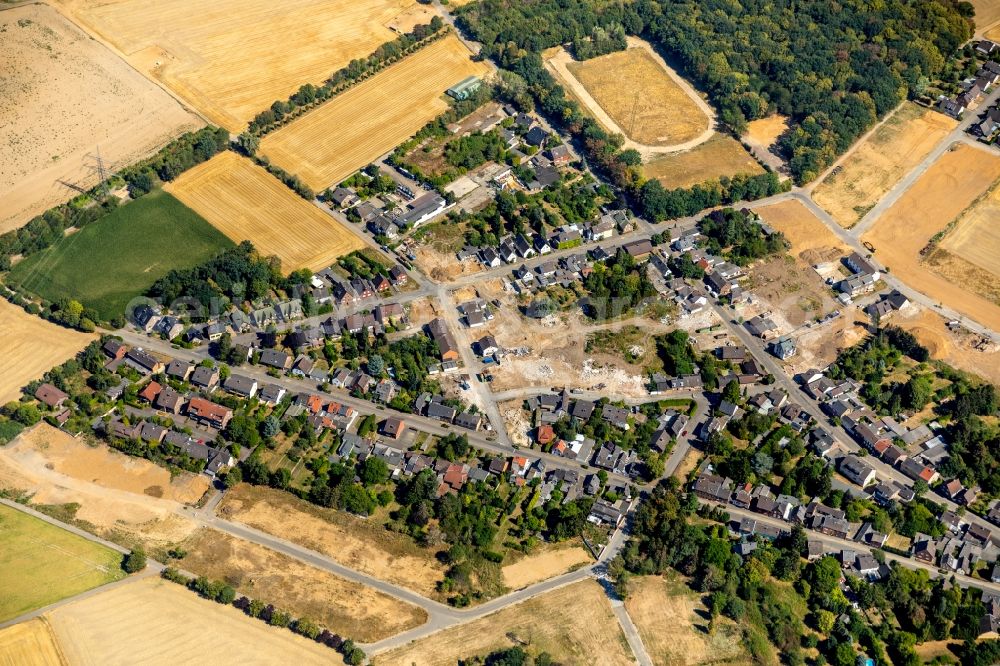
102 174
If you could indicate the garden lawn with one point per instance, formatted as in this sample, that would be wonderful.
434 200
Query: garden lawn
113 260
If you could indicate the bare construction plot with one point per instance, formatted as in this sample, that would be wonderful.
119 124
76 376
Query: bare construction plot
939 196
232 58
634 93
970 253
875 165
63 95
355 128
31 347
153 621
245 202
574 624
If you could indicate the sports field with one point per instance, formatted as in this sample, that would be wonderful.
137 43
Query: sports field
232 58
719 156
63 96
31 347
939 196
644 99
353 129
29 643
574 624
153 621
111 261
41 563
877 164
245 202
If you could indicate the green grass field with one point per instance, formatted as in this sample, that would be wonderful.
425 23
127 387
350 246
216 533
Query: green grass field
111 261
41 563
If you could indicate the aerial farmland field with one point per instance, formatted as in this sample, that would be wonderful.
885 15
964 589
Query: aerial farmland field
153 621
245 202
329 143
634 93
720 156
24 357
41 563
877 163
29 643
938 197
232 58
116 258
63 96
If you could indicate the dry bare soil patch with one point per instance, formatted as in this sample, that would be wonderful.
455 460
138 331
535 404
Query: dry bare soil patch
574 624
231 58
245 202
803 230
153 621
671 621
765 131
549 561
124 499
939 196
41 563
329 143
342 606
720 156
643 99
31 346
29 643
957 348
352 541
63 95
876 164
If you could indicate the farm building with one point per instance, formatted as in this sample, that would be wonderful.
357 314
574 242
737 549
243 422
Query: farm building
464 88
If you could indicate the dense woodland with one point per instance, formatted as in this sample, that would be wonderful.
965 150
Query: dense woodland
738 237
833 68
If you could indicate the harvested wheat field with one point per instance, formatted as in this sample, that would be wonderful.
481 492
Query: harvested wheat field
245 202
765 131
574 624
153 621
668 617
25 357
970 253
352 541
118 510
353 129
801 227
634 93
232 58
29 643
987 13
343 607
63 95
955 347
939 196
719 156
549 561
876 165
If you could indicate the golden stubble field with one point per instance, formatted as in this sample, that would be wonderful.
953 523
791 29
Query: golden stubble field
31 347
574 624
30 643
334 140
634 93
153 621
343 607
351 541
63 95
876 164
939 196
232 58
245 202
970 253
720 156
666 613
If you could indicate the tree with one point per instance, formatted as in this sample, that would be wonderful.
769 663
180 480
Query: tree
270 427
374 471
731 392
248 143
135 561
